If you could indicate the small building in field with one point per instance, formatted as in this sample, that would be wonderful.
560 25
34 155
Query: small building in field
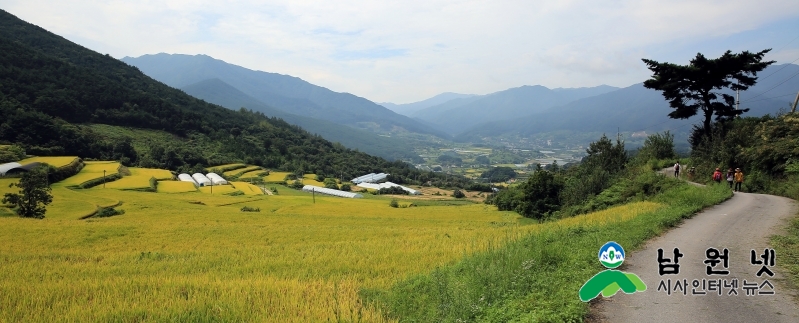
216 179
201 179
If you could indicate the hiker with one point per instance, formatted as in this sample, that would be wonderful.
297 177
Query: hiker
730 175
717 176
677 169
739 179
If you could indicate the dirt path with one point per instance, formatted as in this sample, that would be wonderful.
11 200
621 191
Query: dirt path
740 224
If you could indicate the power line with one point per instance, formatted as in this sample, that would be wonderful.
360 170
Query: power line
773 87
779 69
771 98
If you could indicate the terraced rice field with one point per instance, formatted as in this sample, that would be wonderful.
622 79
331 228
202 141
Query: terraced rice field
251 174
175 187
276 176
242 170
247 188
93 170
139 178
218 189
226 166
53 161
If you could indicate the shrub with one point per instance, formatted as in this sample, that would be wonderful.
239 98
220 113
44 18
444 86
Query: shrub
395 190
393 203
296 185
458 194
346 187
105 212
249 209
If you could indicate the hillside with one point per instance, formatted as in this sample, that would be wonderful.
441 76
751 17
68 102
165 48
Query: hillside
283 92
409 109
218 92
456 116
54 90
635 108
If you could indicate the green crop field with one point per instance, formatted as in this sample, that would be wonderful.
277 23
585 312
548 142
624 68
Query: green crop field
93 170
175 187
52 161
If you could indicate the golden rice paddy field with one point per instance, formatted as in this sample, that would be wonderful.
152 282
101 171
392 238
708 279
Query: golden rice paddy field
93 170
53 161
198 257
247 188
225 166
276 176
218 189
175 187
139 178
242 170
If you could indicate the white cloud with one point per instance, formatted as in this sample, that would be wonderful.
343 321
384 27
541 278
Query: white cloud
403 51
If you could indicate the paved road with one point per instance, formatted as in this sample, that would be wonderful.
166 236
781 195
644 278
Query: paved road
740 224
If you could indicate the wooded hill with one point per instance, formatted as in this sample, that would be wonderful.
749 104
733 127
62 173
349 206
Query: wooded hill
52 90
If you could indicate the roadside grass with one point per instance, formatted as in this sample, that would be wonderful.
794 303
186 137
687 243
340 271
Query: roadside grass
52 161
786 247
175 187
536 277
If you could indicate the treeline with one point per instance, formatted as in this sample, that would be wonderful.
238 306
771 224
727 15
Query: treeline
607 176
51 89
765 148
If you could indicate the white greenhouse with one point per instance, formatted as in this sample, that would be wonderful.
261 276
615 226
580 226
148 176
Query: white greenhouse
388 185
216 179
9 166
329 191
201 179
370 178
187 178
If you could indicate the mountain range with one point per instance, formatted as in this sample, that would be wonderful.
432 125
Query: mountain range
282 92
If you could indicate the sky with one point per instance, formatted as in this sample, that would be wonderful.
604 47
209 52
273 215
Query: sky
407 51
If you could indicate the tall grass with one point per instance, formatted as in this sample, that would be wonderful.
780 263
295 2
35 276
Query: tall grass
536 278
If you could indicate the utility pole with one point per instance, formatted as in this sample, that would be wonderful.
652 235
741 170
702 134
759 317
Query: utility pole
793 108
313 194
103 178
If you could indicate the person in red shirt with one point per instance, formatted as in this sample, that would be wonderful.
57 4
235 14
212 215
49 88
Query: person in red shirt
717 176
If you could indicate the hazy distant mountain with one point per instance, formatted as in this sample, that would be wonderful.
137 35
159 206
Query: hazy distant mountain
408 109
218 92
455 116
283 92
636 108
584 92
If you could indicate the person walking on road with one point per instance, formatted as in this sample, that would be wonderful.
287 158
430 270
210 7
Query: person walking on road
677 169
717 176
739 179
730 177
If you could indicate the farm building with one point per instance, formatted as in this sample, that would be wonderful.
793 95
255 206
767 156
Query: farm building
187 178
370 178
8 166
17 168
201 179
216 179
387 185
328 191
